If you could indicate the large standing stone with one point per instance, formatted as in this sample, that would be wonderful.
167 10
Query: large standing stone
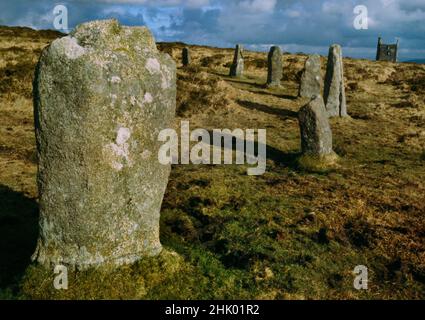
334 92
311 79
236 70
185 57
274 67
101 96
316 134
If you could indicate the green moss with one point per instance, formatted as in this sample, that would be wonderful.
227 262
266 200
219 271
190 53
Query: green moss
318 164
126 282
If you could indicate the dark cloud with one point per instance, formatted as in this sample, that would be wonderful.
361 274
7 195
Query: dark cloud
303 25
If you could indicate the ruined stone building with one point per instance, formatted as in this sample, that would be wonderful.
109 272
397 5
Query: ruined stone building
386 52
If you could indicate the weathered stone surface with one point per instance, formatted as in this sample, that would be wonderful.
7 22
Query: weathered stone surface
236 70
334 92
387 52
311 79
186 57
101 96
274 67
316 133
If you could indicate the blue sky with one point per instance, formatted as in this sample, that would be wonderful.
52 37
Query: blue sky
308 26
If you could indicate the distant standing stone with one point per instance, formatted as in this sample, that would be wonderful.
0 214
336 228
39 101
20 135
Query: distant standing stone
236 70
101 96
316 133
185 56
311 79
334 92
274 67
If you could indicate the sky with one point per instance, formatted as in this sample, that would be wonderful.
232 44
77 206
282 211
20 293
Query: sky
308 26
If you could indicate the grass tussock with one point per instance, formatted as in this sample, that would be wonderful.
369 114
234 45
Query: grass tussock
199 92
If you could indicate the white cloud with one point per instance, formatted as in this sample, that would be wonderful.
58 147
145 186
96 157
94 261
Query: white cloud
187 3
258 5
293 13
304 25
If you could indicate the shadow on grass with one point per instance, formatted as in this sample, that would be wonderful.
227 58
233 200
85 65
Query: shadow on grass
18 235
283 113
286 159
258 88
247 81
281 158
277 95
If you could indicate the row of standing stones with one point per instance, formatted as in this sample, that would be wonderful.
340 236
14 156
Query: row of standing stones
101 96
316 134
311 80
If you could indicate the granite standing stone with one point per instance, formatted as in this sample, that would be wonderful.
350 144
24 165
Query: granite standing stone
334 92
311 79
236 70
316 133
274 67
186 57
101 96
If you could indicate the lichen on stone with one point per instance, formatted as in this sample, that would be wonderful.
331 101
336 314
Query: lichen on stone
97 179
